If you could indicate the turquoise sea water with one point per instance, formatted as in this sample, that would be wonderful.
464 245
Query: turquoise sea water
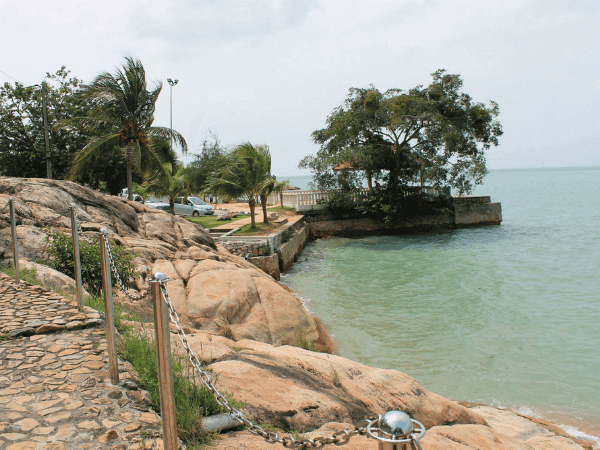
506 315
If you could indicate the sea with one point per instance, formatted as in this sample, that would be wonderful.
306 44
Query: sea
504 315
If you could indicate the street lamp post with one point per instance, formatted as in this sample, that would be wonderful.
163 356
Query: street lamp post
172 83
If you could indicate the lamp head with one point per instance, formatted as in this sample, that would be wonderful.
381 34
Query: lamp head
172 82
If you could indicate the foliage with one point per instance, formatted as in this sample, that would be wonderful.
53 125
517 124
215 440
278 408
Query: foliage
279 187
169 180
22 143
121 113
246 170
60 257
435 135
287 234
192 402
208 161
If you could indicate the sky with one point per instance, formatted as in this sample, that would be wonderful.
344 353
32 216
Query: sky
270 72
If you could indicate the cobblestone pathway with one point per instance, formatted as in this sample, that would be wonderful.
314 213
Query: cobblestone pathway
55 389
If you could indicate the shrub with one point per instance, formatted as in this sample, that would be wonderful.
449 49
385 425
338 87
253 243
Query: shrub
287 234
60 257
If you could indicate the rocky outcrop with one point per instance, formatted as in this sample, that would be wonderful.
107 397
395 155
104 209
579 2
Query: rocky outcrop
211 288
52 279
316 395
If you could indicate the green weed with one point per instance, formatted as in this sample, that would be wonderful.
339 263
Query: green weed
25 275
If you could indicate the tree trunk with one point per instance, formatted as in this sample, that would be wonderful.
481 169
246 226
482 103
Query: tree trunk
263 201
172 204
129 177
369 180
252 204
281 198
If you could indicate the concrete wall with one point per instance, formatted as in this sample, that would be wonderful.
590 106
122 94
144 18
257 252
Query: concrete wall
290 250
320 228
473 210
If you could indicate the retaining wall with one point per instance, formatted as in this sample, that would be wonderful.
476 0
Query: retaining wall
473 210
290 250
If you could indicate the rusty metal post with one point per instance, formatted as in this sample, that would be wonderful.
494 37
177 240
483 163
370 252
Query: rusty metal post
76 257
108 308
13 229
165 370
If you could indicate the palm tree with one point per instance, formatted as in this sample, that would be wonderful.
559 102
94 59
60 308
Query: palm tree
121 113
246 170
279 187
165 182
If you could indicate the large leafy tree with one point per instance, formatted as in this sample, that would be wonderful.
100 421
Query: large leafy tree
206 162
245 171
22 144
435 134
121 114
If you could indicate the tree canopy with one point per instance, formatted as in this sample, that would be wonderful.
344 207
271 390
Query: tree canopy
435 135
22 145
209 160
121 113
245 171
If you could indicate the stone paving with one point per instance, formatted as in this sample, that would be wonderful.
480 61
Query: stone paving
55 389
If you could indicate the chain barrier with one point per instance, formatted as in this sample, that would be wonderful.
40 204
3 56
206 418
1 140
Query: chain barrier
339 438
80 230
118 280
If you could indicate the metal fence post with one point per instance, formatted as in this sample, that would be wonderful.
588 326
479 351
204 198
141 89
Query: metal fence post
108 308
13 229
76 260
165 370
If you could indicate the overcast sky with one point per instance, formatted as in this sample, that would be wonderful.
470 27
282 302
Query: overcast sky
272 71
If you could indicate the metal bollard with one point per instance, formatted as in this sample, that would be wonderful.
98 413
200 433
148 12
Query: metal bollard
13 229
108 308
165 370
76 258
396 431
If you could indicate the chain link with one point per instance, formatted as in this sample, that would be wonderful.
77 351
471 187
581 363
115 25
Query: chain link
118 280
80 230
338 438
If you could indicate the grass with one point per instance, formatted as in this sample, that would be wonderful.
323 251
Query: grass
25 275
260 230
286 210
3 337
192 402
302 341
211 221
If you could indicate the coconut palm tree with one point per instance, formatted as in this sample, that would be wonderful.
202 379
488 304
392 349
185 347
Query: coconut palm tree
279 187
245 171
121 113
169 181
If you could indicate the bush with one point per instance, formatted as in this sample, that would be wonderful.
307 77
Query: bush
60 257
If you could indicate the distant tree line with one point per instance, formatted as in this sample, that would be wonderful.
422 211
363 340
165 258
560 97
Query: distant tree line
102 136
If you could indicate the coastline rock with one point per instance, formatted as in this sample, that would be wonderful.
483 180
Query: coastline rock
211 288
52 279
293 388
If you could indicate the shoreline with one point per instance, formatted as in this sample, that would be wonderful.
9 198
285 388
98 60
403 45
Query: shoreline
573 424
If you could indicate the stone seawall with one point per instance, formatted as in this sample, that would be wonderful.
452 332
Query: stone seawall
476 210
323 226
290 250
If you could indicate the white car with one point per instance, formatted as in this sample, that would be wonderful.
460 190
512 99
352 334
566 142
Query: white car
153 202
192 206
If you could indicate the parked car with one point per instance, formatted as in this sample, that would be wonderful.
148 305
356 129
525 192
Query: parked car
125 194
156 203
192 206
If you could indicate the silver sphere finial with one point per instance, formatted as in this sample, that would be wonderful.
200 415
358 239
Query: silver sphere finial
104 231
397 423
159 276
